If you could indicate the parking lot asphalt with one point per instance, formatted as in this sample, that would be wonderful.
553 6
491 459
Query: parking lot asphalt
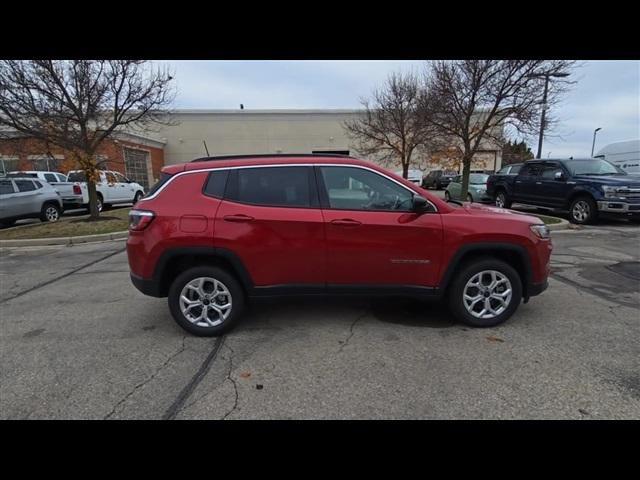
78 341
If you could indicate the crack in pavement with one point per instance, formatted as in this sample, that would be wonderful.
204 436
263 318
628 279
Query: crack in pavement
235 385
142 384
353 324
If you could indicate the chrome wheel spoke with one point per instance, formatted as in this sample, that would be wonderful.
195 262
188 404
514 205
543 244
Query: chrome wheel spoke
194 294
481 297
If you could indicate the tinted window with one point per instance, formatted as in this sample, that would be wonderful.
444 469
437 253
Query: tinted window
478 178
120 178
38 184
61 178
77 177
164 178
350 188
273 186
24 185
515 169
531 170
6 187
549 171
503 170
50 177
216 183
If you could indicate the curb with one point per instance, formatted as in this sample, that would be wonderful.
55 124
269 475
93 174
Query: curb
38 242
563 225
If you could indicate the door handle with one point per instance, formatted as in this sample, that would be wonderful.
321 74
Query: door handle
238 218
538 183
346 222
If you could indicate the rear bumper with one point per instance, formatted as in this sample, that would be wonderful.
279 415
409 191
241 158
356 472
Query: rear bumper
146 286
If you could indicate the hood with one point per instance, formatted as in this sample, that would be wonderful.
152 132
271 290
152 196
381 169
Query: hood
481 209
613 180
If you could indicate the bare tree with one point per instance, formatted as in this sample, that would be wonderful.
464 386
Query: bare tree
391 126
470 102
77 104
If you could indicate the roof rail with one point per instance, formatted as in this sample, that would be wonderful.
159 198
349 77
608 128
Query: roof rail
269 155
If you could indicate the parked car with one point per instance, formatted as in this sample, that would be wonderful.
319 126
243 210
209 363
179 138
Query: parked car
24 197
113 187
587 188
414 176
438 179
512 169
477 191
211 235
70 192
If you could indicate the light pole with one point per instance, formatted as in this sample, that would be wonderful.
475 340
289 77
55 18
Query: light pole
546 76
593 145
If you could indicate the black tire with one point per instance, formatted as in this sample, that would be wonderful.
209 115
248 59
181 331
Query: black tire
502 200
456 292
228 280
50 212
137 197
583 210
7 223
469 198
447 196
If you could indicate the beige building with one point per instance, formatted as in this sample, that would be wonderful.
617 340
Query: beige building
229 132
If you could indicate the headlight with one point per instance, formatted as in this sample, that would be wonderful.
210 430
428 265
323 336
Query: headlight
540 230
615 192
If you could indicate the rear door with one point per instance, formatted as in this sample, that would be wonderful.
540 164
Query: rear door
271 218
27 198
373 237
7 199
524 184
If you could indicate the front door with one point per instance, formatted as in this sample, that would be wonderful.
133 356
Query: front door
373 236
270 217
551 191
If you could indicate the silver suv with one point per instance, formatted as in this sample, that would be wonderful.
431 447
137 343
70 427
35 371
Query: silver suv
28 198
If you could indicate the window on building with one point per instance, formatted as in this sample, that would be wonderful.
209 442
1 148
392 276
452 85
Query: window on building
45 164
135 166
274 186
9 164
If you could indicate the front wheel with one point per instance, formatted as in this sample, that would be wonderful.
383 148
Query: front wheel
50 212
137 197
583 210
502 200
485 293
206 301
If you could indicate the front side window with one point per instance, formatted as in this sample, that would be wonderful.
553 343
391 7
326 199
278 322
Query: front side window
120 178
6 187
24 185
531 170
549 171
111 178
351 188
49 177
271 186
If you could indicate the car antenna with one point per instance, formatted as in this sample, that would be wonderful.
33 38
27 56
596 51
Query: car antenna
205 148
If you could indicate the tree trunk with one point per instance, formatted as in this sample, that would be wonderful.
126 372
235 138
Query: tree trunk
405 169
94 213
466 170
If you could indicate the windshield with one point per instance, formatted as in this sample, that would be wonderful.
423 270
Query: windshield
595 166
478 178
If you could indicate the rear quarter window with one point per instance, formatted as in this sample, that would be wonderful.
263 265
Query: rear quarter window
216 183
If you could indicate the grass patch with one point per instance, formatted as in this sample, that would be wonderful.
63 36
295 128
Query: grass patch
110 221
546 219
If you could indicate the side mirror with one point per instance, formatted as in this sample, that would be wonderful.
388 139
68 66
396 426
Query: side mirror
420 204
558 176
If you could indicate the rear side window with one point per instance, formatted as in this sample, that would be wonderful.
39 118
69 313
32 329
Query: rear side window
271 186
50 177
6 187
531 170
38 184
164 178
24 185
216 183
515 169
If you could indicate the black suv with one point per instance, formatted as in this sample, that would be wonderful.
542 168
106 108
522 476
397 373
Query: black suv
438 179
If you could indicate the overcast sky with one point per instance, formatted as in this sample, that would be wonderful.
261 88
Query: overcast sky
607 94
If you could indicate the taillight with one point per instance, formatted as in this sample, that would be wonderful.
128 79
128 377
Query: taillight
140 219
77 190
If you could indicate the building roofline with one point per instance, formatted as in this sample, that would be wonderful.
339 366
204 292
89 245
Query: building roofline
291 111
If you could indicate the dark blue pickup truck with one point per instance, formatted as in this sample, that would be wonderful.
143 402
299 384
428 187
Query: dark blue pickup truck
587 188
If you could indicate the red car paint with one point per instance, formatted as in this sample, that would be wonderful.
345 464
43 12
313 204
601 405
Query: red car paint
320 246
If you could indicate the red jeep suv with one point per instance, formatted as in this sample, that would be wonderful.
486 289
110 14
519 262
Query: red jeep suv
216 232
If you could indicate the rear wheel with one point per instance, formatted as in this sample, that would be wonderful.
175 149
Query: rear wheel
137 197
583 210
206 301
447 196
50 212
485 293
469 198
503 200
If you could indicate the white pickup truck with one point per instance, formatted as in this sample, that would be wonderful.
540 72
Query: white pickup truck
113 187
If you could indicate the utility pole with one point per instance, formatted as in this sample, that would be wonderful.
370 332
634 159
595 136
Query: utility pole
546 76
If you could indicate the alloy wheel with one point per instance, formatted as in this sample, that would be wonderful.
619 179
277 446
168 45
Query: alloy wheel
581 211
487 294
52 214
205 302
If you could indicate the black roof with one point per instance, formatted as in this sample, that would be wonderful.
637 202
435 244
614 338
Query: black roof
271 155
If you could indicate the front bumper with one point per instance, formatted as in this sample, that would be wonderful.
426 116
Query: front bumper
537 288
617 206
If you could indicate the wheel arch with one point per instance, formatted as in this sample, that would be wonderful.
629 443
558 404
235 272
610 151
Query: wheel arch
515 255
177 260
